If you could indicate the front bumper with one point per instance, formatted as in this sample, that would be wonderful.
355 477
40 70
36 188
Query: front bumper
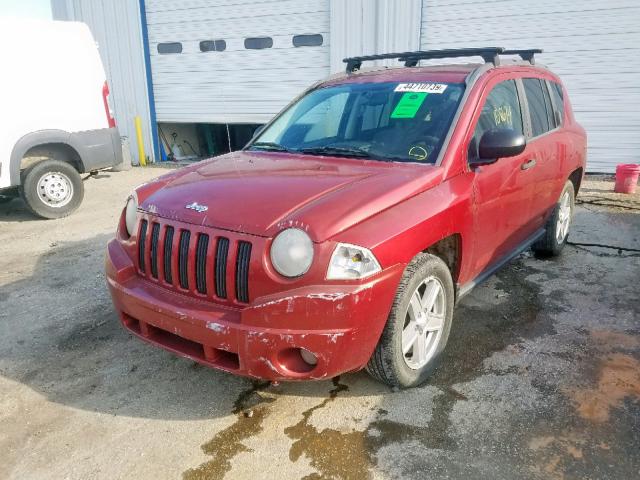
254 340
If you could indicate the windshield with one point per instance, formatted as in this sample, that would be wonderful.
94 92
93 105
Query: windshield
392 121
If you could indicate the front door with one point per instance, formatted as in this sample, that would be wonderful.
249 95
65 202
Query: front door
503 190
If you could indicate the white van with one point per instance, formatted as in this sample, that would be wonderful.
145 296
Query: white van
55 119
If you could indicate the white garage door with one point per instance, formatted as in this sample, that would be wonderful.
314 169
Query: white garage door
594 46
235 80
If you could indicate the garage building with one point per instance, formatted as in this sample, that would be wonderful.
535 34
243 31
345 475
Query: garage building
204 74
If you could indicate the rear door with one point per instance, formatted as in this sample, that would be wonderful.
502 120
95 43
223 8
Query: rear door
503 190
544 141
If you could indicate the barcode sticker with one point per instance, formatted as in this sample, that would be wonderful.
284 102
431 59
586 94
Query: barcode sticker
421 87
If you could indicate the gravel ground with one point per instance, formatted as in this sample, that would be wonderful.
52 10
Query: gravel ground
541 377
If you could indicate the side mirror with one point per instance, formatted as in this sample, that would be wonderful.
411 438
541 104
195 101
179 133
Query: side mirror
499 143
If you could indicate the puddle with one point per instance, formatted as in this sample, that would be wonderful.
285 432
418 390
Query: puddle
609 339
333 453
618 379
556 451
251 409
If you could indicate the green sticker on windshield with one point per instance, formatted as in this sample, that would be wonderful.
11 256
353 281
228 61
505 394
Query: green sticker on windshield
408 105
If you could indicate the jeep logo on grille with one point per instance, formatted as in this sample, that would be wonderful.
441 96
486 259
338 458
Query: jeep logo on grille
197 207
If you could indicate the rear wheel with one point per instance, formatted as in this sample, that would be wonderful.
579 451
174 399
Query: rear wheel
558 225
52 189
418 326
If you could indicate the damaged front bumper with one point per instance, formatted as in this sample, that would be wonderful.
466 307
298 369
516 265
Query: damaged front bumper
338 324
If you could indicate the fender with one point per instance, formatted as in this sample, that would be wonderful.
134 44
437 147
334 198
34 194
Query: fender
420 222
96 148
29 141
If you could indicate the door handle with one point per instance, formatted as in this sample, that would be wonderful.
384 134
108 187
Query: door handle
528 164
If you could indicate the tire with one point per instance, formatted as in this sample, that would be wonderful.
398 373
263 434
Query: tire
389 364
554 240
52 189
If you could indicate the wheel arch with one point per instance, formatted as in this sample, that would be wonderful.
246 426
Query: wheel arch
56 144
449 250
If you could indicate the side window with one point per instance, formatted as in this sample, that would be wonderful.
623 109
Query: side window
500 110
558 99
535 92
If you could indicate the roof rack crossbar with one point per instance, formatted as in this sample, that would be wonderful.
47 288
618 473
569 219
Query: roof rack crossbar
411 59
525 54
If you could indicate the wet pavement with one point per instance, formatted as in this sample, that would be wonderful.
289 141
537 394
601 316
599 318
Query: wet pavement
541 377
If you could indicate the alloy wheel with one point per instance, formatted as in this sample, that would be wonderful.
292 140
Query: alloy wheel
564 218
424 323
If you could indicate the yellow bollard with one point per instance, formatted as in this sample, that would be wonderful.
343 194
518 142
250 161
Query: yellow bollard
141 155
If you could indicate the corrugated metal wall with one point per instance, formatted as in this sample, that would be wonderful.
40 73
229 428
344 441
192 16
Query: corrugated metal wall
593 45
116 29
365 27
236 85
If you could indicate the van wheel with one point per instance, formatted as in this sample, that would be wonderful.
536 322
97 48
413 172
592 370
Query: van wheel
418 326
558 225
52 189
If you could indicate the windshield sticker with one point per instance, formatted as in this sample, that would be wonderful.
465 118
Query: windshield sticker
503 115
408 105
421 87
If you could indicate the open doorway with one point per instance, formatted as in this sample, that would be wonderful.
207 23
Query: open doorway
192 142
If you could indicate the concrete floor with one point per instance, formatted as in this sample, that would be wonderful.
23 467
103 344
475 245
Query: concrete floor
541 377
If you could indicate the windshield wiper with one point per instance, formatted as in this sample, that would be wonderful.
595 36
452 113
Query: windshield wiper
270 146
340 151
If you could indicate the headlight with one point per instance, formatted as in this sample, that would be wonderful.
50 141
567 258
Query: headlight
292 252
351 262
131 213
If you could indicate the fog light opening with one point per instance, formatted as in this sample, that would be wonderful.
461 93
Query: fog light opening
308 357
297 360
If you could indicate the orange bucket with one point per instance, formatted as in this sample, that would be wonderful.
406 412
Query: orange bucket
627 178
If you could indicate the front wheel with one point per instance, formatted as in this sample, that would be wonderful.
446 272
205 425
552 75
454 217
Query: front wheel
418 326
558 225
52 189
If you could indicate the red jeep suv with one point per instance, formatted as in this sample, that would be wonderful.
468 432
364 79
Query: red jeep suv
343 234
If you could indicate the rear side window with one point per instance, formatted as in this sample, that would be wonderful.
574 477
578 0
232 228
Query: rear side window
500 110
539 106
558 99
169 47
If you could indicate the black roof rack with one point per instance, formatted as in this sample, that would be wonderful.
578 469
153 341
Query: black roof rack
525 54
411 59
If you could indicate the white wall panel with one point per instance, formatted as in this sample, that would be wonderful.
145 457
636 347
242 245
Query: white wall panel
367 27
236 85
592 44
116 28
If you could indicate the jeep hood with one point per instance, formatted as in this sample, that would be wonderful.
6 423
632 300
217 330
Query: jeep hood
261 193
